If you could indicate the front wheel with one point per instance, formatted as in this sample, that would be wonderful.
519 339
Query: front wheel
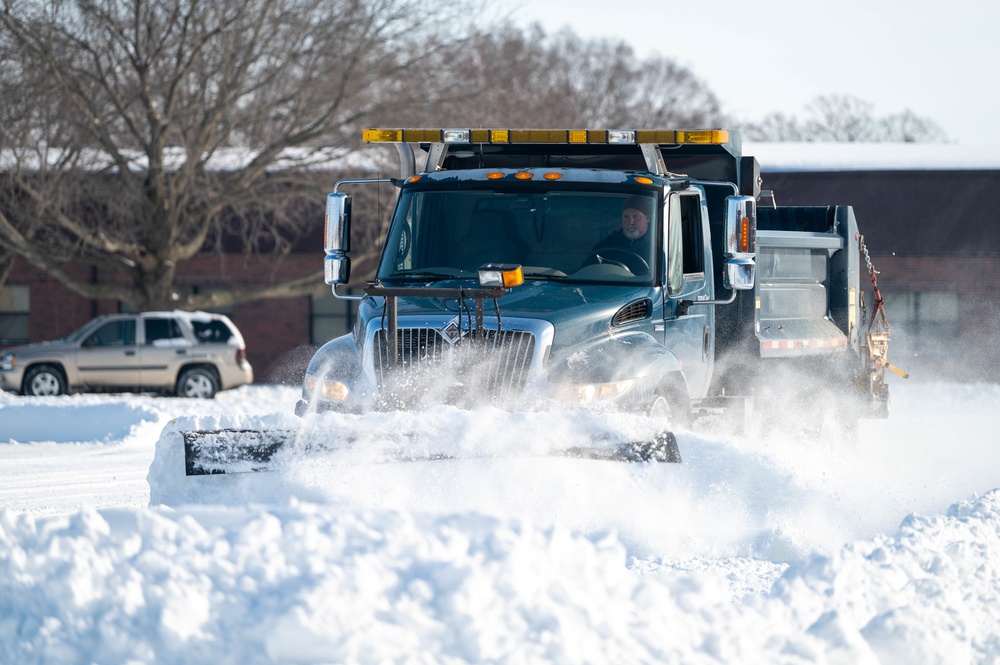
663 448
44 381
197 382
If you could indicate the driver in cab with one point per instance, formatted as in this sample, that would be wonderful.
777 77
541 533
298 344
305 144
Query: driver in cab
633 238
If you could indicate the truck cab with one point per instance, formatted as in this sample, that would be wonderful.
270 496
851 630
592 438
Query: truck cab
526 267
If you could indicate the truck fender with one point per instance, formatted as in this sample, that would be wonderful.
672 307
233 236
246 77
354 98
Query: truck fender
634 355
337 359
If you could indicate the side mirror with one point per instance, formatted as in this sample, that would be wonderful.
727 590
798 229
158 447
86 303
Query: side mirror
740 242
337 239
739 274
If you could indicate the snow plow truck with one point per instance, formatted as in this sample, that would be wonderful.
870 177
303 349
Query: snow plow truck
625 271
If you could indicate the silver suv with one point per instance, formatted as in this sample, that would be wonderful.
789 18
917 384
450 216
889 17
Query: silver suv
188 354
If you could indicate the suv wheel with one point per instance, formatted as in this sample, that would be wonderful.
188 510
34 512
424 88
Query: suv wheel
44 381
197 382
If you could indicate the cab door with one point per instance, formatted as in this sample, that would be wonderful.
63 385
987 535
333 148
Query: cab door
108 356
689 328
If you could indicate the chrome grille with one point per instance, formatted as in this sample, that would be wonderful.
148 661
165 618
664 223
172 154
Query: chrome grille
492 366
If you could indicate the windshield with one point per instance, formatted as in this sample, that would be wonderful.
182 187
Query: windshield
573 235
83 330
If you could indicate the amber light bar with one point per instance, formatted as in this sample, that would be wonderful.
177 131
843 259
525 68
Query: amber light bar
548 136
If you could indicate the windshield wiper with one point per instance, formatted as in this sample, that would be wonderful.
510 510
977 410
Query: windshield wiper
545 274
427 274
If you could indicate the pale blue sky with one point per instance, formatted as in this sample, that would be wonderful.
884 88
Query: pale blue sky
940 60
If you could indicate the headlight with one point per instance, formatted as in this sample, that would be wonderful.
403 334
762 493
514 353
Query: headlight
331 391
588 393
7 361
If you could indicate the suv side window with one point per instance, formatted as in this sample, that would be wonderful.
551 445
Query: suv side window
115 333
163 330
211 331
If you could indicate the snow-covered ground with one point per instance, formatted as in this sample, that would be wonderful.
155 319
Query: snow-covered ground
774 550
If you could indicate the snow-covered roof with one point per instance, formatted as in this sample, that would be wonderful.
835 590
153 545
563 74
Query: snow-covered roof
791 156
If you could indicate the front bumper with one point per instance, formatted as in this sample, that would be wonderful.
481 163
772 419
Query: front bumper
10 380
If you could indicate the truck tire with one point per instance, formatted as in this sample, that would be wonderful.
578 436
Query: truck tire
197 383
44 381
664 447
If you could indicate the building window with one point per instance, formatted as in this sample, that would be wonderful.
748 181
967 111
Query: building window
331 317
923 322
15 304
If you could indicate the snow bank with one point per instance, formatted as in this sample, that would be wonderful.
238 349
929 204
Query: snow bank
306 584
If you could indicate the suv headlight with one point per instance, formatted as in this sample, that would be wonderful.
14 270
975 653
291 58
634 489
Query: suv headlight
7 361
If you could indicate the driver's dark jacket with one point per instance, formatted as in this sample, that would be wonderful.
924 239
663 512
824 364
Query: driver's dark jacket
617 240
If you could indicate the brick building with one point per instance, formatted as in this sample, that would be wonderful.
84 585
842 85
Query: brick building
926 212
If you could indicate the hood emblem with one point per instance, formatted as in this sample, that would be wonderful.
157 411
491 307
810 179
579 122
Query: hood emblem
452 332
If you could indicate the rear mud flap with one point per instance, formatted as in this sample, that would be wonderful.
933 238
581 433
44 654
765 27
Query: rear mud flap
208 452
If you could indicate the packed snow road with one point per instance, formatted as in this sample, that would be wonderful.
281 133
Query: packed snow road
774 550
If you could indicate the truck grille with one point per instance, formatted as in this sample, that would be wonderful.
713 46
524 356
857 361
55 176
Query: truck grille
492 368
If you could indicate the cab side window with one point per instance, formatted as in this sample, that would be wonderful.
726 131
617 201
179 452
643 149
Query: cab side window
675 245
694 256
115 333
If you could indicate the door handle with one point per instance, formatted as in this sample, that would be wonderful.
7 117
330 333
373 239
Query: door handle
130 353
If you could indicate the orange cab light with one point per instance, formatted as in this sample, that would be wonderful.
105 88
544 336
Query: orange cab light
643 180
523 175
553 176
494 175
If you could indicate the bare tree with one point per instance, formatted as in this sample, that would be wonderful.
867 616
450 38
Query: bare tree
526 78
907 127
135 133
6 265
775 127
844 118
